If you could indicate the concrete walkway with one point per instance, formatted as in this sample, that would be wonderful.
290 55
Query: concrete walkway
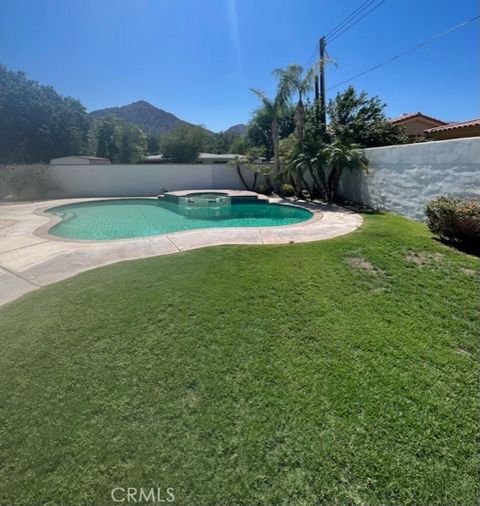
31 258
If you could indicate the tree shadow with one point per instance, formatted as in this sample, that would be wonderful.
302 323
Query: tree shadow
358 208
465 247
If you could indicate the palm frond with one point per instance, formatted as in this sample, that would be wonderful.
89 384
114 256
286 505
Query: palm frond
264 99
315 67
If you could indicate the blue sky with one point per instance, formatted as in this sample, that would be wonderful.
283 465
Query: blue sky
198 58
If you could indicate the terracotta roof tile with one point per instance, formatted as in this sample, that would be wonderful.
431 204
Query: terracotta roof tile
453 126
412 115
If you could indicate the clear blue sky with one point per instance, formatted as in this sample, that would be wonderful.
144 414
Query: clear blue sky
198 58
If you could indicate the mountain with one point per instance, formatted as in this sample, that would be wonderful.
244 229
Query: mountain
148 117
237 129
151 119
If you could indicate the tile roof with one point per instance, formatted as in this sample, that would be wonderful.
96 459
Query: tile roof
412 115
453 126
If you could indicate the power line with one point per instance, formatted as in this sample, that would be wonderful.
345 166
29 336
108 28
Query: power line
354 22
355 13
424 43
347 23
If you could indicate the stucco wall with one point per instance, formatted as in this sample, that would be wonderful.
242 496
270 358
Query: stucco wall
400 179
403 178
140 179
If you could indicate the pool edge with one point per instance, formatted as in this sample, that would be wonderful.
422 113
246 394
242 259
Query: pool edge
43 231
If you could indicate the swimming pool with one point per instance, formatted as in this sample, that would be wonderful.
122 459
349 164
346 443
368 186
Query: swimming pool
128 218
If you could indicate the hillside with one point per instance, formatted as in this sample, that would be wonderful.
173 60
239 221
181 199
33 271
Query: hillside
148 117
239 129
151 119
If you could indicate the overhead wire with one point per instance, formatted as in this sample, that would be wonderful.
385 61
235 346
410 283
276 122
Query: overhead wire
350 17
408 51
354 22
349 21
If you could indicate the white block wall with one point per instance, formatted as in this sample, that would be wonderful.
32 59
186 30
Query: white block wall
403 178
140 179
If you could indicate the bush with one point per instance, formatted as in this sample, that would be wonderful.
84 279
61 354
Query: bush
454 219
25 182
286 190
263 190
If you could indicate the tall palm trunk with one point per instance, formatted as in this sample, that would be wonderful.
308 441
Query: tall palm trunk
296 189
254 184
333 182
305 184
299 128
320 179
276 155
299 120
240 175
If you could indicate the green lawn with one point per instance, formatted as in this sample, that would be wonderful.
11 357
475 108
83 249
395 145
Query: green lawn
338 372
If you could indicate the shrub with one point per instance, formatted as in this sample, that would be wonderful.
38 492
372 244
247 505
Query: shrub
286 190
25 182
263 190
454 219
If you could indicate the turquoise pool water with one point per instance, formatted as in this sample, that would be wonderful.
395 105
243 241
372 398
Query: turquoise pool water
121 219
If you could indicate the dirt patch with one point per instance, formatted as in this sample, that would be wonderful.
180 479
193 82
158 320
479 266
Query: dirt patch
469 272
361 263
461 351
422 258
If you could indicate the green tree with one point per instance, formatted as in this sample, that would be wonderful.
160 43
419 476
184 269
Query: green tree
133 144
183 143
253 161
222 142
355 118
274 109
108 137
259 128
153 144
119 141
240 145
290 153
340 155
295 80
36 123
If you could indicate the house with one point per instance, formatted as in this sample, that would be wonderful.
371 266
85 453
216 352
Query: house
155 159
458 130
215 158
207 158
79 160
416 123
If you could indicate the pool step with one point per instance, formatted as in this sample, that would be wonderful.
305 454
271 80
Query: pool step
234 195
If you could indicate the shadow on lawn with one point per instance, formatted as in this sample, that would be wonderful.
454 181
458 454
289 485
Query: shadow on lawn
465 247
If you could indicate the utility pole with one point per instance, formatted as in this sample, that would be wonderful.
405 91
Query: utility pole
323 113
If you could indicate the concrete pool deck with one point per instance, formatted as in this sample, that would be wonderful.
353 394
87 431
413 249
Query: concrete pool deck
31 258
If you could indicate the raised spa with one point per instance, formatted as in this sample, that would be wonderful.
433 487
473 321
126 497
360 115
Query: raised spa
127 218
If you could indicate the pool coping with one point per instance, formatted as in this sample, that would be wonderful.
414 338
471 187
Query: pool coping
31 258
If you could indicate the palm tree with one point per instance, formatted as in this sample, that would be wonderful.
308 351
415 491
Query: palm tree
339 156
295 80
275 109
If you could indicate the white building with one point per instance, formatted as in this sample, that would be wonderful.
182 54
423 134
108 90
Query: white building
79 160
202 158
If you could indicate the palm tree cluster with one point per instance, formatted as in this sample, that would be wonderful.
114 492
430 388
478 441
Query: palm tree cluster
309 160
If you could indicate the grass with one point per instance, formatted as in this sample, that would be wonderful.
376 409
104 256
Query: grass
343 372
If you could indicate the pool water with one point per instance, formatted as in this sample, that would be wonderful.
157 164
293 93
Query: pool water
125 218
